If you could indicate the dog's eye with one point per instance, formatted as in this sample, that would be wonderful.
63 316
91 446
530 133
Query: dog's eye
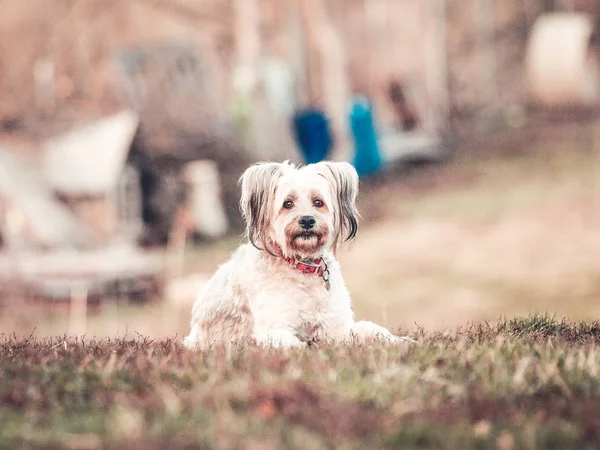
317 203
288 204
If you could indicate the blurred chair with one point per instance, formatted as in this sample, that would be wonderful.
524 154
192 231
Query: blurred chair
367 158
312 134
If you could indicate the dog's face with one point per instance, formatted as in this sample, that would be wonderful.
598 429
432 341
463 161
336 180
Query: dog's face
302 211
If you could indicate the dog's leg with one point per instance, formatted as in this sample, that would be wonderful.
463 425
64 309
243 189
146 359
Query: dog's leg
363 331
278 338
191 341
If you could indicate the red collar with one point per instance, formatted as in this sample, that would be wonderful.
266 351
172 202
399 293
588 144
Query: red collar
308 265
316 265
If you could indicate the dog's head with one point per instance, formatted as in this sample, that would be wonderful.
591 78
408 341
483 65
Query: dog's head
302 210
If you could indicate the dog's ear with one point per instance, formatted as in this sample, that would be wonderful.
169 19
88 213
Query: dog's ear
343 179
258 184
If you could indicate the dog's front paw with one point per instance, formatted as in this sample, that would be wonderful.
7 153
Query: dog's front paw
401 340
365 331
389 338
279 339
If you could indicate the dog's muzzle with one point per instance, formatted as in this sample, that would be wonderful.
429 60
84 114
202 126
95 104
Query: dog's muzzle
307 222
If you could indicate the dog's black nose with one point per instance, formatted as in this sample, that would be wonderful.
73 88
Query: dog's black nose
307 222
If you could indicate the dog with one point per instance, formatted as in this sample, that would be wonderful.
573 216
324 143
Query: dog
284 288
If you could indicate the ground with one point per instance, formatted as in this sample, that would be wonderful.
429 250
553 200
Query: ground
523 383
508 227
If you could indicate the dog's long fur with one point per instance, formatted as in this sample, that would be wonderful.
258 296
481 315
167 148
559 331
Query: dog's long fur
257 296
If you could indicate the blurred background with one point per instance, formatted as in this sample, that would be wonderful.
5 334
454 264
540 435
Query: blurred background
124 126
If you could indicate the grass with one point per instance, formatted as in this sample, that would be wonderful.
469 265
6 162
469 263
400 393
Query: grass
529 382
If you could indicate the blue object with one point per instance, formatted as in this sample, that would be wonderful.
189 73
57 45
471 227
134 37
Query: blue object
367 158
313 135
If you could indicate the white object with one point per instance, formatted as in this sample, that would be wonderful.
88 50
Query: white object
278 84
32 215
90 159
205 198
561 69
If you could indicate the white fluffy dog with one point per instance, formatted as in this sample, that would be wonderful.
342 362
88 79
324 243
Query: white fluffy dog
285 287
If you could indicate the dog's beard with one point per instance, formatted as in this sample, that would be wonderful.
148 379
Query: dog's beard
304 243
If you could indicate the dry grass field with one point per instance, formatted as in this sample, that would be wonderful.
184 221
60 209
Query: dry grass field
528 383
